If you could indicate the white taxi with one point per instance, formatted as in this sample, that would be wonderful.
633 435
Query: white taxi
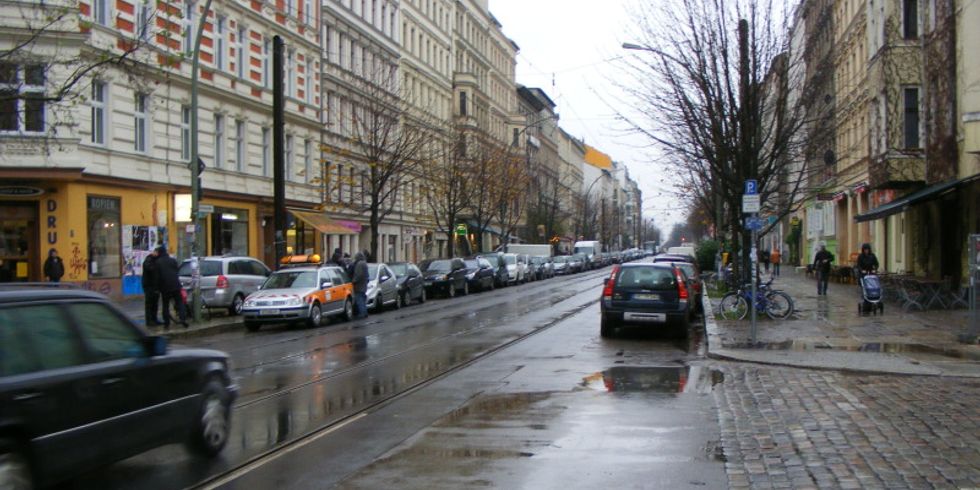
302 291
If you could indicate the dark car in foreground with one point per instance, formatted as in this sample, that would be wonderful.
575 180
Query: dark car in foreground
82 386
654 296
480 275
447 276
411 285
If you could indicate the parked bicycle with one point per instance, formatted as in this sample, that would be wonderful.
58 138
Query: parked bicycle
735 305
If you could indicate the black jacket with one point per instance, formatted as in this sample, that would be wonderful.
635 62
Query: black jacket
167 279
822 261
151 277
867 262
359 277
54 268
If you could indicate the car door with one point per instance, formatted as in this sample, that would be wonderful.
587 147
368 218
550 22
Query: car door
258 275
415 283
387 283
145 399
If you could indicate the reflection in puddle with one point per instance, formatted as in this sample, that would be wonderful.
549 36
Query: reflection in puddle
874 347
680 379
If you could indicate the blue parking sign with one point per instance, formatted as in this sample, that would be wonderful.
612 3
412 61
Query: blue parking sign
751 186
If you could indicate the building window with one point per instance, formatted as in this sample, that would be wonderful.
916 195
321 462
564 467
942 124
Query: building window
290 73
239 145
185 133
267 63
308 160
144 18
188 22
98 105
229 231
340 183
30 92
910 19
309 81
104 237
219 43
289 158
139 122
308 11
100 12
266 150
219 141
911 96
462 103
240 51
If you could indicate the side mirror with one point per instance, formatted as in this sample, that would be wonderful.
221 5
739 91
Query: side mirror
155 345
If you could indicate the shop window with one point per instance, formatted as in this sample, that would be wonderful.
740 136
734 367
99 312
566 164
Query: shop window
104 237
229 231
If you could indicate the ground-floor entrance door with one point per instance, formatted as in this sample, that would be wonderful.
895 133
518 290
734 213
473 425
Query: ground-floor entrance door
19 254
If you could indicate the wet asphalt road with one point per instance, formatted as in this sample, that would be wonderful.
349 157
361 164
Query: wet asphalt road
456 393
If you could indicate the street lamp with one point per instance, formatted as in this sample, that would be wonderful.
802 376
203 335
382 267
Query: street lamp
635 47
195 169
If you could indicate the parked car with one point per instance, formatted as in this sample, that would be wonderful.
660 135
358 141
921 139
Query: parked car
515 270
501 277
447 276
479 274
543 267
411 285
653 295
577 263
226 281
692 273
382 288
524 262
560 264
82 386
300 294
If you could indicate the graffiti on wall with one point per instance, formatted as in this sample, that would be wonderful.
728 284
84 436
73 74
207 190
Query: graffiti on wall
77 263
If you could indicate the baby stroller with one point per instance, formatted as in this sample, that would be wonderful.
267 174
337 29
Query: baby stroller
871 294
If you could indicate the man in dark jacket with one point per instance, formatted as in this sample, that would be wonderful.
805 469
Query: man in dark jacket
359 279
54 267
151 290
169 284
337 257
821 264
867 262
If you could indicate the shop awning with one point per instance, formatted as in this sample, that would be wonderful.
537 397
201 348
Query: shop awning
321 222
934 191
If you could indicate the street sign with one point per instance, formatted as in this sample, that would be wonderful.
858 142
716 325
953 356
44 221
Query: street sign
205 208
751 203
461 229
751 186
754 223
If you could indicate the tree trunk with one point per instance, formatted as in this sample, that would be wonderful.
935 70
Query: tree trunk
375 234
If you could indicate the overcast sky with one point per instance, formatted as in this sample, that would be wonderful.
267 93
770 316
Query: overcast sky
570 49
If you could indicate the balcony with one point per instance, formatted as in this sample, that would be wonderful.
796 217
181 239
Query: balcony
896 171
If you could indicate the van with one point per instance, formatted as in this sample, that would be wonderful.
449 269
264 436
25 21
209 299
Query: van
592 249
689 251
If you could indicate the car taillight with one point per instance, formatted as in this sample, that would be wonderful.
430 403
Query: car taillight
608 289
222 282
681 286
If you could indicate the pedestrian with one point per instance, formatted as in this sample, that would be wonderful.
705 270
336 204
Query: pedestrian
821 264
54 267
359 279
867 262
337 257
168 282
151 290
775 258
764 258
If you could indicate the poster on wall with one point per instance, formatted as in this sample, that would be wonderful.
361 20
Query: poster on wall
137 243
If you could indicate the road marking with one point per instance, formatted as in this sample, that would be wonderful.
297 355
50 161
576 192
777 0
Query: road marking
273 456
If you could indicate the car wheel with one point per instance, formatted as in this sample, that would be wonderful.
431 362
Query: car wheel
379 303
236 305
398 300
348 310
252 326
213 422
493 284
606 327
422 296
451 291
15 470
316 316
466 288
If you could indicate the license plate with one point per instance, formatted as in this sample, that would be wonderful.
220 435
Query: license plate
645 317
646 297
268 312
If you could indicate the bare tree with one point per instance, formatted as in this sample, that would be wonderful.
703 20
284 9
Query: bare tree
511 201
488 158
46 53
712 91
448 183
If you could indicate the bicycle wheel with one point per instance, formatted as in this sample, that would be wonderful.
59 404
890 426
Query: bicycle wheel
779 305
733 307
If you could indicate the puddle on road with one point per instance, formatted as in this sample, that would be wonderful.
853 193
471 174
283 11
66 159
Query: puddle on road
671 379
872 347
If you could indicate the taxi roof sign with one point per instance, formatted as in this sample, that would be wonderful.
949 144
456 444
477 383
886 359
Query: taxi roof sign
300 259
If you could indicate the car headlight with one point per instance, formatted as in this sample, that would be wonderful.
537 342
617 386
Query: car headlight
294 301
249 302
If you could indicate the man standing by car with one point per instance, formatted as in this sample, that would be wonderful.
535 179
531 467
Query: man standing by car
359 279
151 290
169 284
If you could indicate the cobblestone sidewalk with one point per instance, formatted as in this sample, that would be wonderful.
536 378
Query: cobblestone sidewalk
793 428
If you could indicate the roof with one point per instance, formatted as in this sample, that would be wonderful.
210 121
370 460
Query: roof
16 293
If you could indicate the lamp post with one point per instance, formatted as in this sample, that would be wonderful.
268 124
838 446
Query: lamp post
195 168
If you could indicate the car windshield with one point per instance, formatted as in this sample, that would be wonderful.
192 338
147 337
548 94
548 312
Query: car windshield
657 278
472 264
399 269
510 259
291 279
560 259
584 250
208 268
440 266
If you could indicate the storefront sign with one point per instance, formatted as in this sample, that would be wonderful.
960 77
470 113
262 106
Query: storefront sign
20 191
351 225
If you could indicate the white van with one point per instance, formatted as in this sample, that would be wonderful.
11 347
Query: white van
689 251
592 250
